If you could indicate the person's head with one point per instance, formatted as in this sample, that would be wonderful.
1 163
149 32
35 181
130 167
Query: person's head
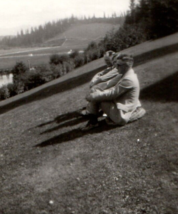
108 58
123 62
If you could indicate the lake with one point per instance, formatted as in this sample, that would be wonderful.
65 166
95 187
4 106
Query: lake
6 79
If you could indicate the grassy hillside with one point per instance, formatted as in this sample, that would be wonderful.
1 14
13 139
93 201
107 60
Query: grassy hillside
84 32
48 165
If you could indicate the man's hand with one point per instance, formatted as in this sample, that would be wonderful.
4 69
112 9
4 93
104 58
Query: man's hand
95 81
88 97
91 96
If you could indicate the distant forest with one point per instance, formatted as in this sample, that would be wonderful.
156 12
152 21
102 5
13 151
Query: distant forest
38 35
155 18
146 19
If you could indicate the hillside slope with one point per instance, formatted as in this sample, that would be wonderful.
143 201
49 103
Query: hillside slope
82 34
48 165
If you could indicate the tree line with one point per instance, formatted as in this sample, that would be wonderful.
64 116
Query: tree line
145 20
154 18
38 35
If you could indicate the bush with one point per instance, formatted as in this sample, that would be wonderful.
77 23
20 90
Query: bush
125 37
18 72
92 45
54 59
93 54
57 59
74 54
69 65
79 60
62 68
19 86
4 93
56 70
12 89
101 51
7 91
46 71
32 79
19 68
94 51
87 58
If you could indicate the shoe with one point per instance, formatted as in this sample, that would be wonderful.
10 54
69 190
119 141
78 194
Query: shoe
105 115
90 126
83 112
137 114
110 122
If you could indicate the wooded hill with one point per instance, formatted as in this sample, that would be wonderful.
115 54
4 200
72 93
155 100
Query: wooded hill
46 34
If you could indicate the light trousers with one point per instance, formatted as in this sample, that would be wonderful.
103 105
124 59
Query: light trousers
118 116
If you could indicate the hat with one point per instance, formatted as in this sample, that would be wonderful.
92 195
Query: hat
122 59
108 57
109 53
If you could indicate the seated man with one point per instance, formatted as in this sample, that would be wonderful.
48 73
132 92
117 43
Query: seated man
110 72
120 102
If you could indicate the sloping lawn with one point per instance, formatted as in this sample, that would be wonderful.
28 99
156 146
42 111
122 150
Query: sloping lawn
48 165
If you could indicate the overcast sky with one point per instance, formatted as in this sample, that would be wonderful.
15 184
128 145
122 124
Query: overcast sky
24 14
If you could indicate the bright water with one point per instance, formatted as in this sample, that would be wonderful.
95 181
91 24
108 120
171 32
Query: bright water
6 79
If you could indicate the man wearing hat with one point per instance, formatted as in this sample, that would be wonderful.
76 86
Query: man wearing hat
107 78
120 101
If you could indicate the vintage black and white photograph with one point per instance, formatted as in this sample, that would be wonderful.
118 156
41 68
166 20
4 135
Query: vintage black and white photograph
89 107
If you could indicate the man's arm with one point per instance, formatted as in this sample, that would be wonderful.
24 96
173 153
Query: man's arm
98 77
110 94
95 79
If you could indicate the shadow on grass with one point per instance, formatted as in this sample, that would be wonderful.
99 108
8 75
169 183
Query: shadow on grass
69 119
82 79
62 118
75 133
165 90
65 124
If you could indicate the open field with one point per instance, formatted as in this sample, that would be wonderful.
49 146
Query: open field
8 63
27 51
48 165
40 56
88 32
